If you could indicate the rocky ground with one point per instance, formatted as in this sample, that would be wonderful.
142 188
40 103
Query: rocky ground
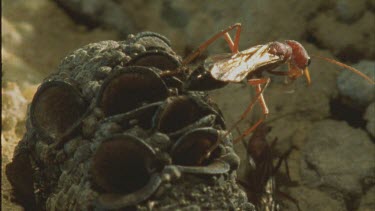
332 121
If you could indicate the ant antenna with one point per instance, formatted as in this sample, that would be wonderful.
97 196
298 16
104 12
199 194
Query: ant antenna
367 78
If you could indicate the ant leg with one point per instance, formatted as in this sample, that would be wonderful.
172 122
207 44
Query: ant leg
232 45
284 157
286 196
259 97
278 73
230 42
237 39
243 140
287 169
249 130
273 144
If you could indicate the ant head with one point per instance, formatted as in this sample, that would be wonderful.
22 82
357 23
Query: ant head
299 61
300 58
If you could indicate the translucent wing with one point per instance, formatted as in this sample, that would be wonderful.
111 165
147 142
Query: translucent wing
235 67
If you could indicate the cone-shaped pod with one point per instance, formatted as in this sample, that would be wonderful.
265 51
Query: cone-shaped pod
20 174
143 115
197 147
214 167
181 111
156 58
152 40
117 201
207 121
162 60
56 108
123 164
130 88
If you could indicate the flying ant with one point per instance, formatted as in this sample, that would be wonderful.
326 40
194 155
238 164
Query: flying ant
260 185
219 70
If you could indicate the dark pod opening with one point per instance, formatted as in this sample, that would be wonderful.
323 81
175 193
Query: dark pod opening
179 112
55 108
130 88
122 164
196 148
156 58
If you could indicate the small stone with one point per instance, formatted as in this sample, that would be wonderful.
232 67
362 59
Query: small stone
89 126
103 72
183 202
60 156
337 156
166 177
133 122
367 202
360 91
151 204
107 129
67 165
173 171
370 118
83 152
98 113
350 10
90 89
312 199
71 146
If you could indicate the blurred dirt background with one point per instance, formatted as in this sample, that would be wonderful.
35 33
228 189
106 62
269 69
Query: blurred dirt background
332 122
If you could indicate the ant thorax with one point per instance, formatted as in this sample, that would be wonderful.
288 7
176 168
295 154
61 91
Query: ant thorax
282 50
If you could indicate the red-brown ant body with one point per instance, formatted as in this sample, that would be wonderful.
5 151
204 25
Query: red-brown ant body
260 184
219 70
